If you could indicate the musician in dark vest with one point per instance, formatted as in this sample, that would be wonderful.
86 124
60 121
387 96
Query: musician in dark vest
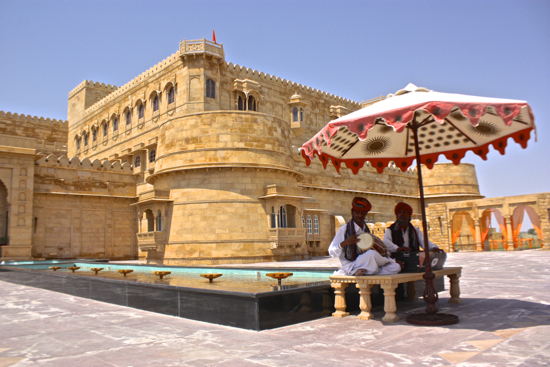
402 236
344 246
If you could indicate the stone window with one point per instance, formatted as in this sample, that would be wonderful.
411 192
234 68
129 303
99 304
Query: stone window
77 141
115 124
297 114
85 136
309 231
105 128
171 95
94 135
282 217
210 88
137 161
273 218
155 103
141 111
240 104
251 103
152 156
159 222
315 225
129 117
303 222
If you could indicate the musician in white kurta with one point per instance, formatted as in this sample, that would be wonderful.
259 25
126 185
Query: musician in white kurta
367 263
371 261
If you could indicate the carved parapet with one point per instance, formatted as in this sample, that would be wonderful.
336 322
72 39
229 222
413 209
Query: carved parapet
283 190
151 241
53 160
154 194
201 47
286 237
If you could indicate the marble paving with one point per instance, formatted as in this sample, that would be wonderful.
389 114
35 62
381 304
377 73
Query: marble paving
504 321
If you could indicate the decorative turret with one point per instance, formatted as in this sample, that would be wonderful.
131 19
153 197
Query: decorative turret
202 48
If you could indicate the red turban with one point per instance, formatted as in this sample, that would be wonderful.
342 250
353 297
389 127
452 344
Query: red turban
403 206
361 205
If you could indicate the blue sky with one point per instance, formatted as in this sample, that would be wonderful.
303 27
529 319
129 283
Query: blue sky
354 49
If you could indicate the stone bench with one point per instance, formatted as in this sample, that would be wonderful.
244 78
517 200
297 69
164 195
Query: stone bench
388 283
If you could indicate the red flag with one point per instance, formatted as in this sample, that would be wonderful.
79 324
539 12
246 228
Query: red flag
214 36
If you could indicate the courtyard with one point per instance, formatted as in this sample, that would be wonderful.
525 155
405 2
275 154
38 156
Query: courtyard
504 321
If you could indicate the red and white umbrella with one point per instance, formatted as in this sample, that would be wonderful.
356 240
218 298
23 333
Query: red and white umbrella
420 124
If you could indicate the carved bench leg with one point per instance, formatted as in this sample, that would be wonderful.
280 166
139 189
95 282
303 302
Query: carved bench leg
411 292
455 288
340 299
365 302
390 306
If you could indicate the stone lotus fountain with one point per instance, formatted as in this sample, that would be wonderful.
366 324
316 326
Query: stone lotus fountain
161 274
124 271
97 270
73 268
210 276
279 276
54 268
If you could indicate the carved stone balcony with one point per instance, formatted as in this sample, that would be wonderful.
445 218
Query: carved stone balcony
151 241
201 47
286 237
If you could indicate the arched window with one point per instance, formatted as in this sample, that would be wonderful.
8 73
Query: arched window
251 103
210 88
315 225
129 117
301 114
282 217
273 218
115 124
94 135
105 128
85 136
77 143
141 111
152 156
240 104
309 225
303 222
295 114
171 95
155 103
137 161
159 222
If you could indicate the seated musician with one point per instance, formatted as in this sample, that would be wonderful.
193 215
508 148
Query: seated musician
344 246
402 236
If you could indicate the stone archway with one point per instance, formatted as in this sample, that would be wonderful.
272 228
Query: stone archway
463 232
4 211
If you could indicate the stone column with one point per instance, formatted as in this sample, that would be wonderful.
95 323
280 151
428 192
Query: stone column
340 299
479 246
509 232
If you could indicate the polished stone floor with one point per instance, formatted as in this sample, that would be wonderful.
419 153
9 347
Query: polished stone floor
504 321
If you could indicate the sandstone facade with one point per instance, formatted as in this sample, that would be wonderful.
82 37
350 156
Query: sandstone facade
195 161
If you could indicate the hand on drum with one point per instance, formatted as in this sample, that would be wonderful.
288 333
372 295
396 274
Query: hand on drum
351 240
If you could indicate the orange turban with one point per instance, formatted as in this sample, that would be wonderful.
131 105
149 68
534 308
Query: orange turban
403 206
361 205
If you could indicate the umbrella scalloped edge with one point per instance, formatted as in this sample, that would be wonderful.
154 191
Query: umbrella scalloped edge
521 137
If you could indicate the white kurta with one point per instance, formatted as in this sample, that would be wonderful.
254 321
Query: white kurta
371 260
392 247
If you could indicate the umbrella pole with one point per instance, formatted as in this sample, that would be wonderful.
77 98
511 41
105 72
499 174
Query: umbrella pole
430 317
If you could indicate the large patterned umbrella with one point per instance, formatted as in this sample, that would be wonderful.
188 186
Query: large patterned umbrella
420 124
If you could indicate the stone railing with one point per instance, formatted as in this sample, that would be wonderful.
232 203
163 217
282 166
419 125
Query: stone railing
203 46
287 237
154 194
283 190
150 241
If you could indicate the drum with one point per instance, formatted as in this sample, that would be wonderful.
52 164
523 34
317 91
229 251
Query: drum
368 241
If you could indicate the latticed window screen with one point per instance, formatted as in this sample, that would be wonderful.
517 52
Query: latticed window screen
309 231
